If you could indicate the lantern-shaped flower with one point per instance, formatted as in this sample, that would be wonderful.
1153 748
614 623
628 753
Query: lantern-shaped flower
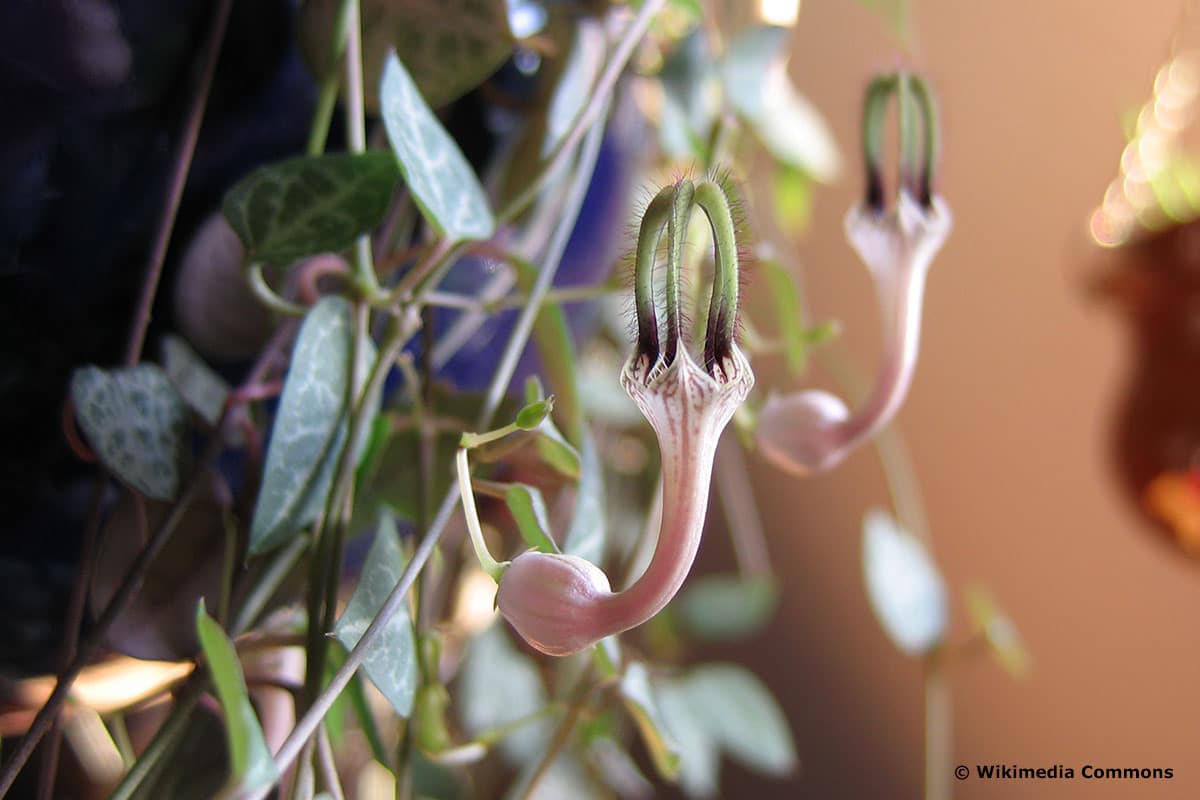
561 604
812 431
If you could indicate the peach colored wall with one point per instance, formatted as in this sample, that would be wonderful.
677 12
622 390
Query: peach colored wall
1007 422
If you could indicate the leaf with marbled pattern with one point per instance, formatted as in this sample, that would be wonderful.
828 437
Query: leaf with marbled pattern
439 177
135 421
309 205
392 663
310 426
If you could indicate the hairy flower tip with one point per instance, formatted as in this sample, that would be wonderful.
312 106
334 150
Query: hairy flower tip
551 599
562 604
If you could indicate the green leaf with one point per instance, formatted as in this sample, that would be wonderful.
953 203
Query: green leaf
249 756
528 508
532 415
754 73
557 452
724 607
135 421
449 46
392 663
785 296
310 425
639 699
309 205
440 179
749 56
742 717
202 389
585 537
1001 633
498 685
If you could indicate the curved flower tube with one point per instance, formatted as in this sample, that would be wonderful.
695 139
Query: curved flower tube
562 604
812 431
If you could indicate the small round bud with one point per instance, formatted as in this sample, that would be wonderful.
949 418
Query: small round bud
551 600
799 433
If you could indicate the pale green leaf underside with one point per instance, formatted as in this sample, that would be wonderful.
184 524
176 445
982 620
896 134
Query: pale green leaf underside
135 420
250 759
719 708
497 685
722 607
392 664
439 177
585 538
309 205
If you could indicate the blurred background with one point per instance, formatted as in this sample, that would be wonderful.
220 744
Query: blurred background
1009 424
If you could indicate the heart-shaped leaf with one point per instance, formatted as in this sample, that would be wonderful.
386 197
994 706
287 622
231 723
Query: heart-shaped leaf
309 205
392 662
439 177
743 717
310 426
135 421
719 708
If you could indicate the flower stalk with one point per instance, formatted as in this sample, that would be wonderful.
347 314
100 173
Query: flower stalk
562 604
813 431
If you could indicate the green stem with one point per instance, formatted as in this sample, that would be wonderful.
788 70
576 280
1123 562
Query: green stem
268 583
120 736
327 765
356 134
327 97
164 742
228 566
490 565
470 441
267 296
939 725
